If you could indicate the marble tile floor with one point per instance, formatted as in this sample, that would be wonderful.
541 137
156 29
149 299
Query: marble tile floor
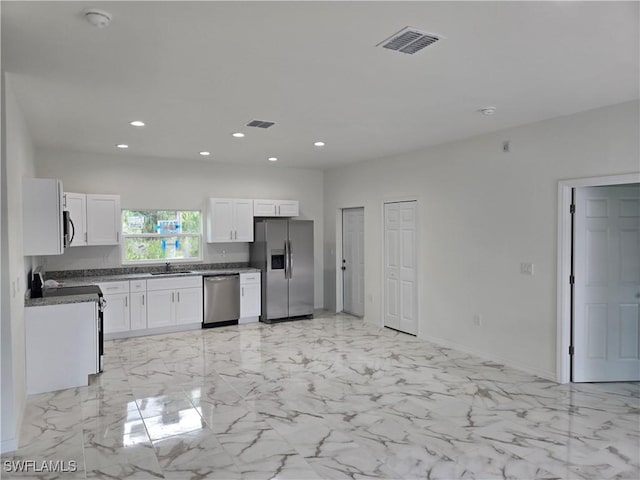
327 398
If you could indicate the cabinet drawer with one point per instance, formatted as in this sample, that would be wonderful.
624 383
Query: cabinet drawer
172 283
250 277
111 288
138 286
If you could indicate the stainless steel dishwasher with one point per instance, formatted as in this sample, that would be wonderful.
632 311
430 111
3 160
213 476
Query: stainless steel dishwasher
221 300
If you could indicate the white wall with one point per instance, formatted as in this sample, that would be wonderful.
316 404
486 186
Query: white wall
17 163
482 212
165 183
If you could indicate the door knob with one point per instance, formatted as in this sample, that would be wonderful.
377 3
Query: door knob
344 268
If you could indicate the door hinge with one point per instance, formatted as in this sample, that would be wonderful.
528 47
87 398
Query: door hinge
571 351
572 208
572 279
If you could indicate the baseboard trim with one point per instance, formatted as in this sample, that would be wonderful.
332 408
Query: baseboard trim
9 445
507 362
153 331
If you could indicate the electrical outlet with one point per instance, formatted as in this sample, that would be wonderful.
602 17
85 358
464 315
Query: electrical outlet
526 268
477 320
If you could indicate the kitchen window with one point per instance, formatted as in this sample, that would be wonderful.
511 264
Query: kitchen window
155 236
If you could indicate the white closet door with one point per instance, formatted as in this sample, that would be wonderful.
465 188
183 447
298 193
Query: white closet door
607 284
401 269
353 260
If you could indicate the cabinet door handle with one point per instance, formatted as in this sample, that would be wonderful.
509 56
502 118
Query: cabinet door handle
178 296
278 209
126 301
172 297
236 234
117 237
142 300
230 234
86 238
242 291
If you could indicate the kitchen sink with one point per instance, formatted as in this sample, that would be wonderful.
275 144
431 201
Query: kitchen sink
172 272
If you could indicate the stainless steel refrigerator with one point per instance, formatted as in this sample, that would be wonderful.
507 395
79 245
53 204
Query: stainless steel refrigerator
283 251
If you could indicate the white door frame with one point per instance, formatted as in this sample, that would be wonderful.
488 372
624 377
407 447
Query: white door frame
339 302
361 247
339 279
382 236
563 369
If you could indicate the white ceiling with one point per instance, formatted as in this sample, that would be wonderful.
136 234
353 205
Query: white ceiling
198 71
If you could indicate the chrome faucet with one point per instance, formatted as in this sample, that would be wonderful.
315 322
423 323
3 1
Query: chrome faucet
167 266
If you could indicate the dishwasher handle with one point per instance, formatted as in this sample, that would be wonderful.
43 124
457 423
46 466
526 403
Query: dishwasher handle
219 278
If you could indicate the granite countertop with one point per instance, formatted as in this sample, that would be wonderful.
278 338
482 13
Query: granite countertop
94 279
77 278
46 301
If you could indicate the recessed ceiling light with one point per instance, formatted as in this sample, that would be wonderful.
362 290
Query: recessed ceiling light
488 110
319 144
273 159
122 145
137 123
205 154
238 134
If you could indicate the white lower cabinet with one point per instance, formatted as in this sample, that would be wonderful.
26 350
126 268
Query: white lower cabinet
250 297
174 301
160 309
116 313
138 304
61 346
188 305
144 305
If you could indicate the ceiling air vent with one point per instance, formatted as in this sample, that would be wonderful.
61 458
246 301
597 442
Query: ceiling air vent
260 124
409 40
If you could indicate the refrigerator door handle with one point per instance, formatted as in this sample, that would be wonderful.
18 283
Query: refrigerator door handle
290 260
286 259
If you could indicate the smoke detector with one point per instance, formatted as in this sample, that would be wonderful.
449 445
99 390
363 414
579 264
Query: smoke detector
97 18
409 40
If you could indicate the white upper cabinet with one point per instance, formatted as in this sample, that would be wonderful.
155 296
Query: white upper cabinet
229 220
76 204
42 216
96 218
287 208
276 208
103 219
243 216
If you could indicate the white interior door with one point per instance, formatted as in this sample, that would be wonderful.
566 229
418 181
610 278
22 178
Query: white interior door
400 267
606 321
353 260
